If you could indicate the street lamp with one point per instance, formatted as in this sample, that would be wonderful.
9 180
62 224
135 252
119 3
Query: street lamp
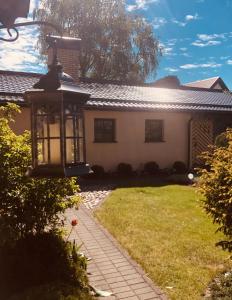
57 120
58 144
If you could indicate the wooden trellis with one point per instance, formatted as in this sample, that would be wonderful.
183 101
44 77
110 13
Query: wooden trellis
201 136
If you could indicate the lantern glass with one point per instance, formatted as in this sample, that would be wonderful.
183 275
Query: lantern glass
48 132
74 138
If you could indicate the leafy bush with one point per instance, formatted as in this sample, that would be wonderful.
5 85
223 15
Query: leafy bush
40 259
54 291
179 167
215 184
151 167
124 169
221 287
98 171
27 205
221 140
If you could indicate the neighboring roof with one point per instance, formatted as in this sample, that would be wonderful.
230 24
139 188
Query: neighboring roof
115 96
209 83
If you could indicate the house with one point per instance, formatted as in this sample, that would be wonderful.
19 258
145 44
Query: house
137 124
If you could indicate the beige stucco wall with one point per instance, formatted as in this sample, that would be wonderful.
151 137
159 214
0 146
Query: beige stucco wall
130 136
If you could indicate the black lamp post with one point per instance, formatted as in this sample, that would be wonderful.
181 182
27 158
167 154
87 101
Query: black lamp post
57 122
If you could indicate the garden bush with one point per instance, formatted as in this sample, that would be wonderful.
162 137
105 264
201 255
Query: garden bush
98 171
151 168
38 260
215 184
221 287
27 205
179 167
124 169
32 250
221 140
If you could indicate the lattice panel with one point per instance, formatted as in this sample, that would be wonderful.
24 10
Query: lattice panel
201 137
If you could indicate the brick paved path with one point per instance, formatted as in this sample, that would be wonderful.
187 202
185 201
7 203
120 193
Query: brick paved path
111 268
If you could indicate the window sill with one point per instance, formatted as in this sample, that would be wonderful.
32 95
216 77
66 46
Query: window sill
154 142
104 142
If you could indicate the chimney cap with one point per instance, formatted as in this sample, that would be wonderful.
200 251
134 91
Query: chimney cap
63 42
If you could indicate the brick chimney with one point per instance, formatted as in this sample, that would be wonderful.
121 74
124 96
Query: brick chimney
68 54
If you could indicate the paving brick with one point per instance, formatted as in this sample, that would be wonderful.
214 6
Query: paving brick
118 284
142 290
148 296
121 289
124 295
110 268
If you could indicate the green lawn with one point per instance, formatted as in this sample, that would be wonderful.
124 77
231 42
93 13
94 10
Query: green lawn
166 231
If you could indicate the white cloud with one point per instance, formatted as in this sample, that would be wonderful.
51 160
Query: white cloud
171 70
185 54
202 44
171 42
187 19
229 62
179 23
166 50
191 17
158 22
141 4
198 66
22 55
209 37
224 57
183 49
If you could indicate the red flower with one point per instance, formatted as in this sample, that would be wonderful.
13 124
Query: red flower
74 222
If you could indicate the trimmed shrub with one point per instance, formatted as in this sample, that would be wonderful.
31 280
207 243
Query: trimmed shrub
124 169
40 259
221 287
98 171
215 184
221 140
179 167
151 168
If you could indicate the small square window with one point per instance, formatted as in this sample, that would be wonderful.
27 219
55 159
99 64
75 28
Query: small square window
104 130
154 131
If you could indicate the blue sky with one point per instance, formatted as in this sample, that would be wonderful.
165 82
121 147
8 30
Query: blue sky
196 37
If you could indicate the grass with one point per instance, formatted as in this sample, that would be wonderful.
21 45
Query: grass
166 231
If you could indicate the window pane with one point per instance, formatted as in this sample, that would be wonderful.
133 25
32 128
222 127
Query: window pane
81 150
42 148
69 130
104 130
70 149
54 125
41 123
55 153
153 130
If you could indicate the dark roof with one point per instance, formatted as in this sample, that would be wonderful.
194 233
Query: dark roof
115 96
208 83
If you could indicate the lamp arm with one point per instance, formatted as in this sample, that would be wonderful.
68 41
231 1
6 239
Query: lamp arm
26 24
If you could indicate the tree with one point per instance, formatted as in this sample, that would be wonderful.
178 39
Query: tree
215 184
116 45
27 205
